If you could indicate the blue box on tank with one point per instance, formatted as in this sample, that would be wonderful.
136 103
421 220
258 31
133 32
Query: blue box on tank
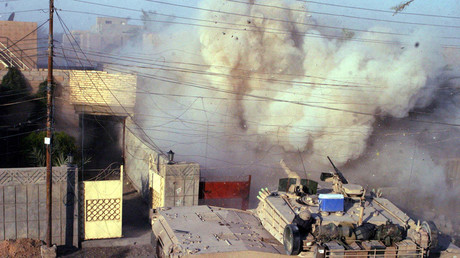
331 202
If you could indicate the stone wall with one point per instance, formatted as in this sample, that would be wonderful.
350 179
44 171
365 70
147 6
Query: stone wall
23 204
100 88
88 92
137 154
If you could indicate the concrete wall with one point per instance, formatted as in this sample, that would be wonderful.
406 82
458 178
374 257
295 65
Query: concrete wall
160 183
23 204
173 184
137 154
14 31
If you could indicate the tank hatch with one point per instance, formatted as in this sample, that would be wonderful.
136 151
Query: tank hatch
206 229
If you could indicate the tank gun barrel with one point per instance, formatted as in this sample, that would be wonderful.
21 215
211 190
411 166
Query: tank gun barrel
289 173
337 172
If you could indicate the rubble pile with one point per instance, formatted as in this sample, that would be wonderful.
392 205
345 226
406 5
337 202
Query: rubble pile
23 247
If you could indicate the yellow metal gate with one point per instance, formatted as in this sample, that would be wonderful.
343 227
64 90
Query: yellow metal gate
102 206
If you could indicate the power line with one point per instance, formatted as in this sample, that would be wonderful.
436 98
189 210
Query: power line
15 93
20 102
26 11
160 67
264 125
83 117
267 30
121 105
342 15
144 61
212 137
200 72
169 80
330 14
14 135
19 40
245 25
141 127
178 95
218 135
176 69
264 98
379 10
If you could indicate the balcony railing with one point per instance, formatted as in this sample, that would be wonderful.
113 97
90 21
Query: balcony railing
13 56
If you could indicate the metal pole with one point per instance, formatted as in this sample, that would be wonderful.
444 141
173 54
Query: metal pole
49 122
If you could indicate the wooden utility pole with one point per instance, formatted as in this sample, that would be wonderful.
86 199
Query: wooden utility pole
49 133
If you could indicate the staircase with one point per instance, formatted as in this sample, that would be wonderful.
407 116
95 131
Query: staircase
13 56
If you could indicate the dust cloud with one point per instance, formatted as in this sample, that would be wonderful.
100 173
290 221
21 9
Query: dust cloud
253 84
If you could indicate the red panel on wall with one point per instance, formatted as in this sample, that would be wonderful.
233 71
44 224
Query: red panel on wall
226 190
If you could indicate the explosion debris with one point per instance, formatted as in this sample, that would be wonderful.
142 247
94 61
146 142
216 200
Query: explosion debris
289 84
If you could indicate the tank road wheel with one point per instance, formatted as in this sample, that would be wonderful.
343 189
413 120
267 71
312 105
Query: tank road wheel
433 232
291 239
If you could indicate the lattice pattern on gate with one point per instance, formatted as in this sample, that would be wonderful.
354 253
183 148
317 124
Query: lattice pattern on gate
103 209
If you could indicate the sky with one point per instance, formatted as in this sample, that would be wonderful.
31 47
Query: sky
83 21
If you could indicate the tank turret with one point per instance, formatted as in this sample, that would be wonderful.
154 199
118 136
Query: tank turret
339 221
301 218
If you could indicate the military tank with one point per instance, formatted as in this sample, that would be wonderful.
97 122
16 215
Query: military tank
343 220
300 218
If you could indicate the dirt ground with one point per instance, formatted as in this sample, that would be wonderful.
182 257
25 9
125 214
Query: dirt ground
23 247
113 252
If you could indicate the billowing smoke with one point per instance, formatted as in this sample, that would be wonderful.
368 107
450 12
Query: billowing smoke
338 85
240 92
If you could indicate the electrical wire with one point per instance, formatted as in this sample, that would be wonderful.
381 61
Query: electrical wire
379 10
28 34
315 12
348 87
171 68
271 31
25 11
14 135
267 30
337 110
20 102
245 25
126 111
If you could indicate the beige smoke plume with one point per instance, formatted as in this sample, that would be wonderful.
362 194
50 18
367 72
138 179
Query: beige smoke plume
258 84
322 93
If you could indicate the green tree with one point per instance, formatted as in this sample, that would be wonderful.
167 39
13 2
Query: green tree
13 87
39 111
13 80
34 147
